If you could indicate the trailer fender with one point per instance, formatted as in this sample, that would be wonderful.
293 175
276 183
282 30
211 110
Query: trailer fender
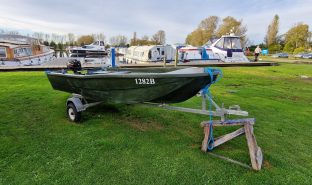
77 102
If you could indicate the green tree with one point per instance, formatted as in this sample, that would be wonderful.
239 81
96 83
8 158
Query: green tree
205 31
274 48
196 38
46 43
271 36
289 47
85 39
299 50
231 25
144 41
208 28
53 45
60 46
298 36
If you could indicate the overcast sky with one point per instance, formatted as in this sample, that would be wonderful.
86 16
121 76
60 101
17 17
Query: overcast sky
176 17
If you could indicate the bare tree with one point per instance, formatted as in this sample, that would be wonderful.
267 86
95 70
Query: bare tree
159 37
99 36
133 41
46 37
38 35
119 40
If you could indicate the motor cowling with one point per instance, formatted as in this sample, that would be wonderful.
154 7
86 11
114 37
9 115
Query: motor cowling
74 65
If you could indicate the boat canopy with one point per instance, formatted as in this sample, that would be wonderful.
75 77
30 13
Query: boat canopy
229 42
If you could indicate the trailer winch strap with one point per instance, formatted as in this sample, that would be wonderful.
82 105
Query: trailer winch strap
206 92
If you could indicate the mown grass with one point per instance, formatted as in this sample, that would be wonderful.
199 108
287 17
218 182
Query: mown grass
290 59
139 145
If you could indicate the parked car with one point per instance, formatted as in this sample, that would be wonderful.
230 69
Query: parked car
307 56
300 55
280 55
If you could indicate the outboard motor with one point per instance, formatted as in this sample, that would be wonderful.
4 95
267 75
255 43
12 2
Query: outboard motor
74 65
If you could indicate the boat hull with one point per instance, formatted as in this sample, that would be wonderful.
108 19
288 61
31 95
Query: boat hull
132 88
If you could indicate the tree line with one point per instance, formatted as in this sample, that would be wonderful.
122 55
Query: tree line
212 27
296 39
61 41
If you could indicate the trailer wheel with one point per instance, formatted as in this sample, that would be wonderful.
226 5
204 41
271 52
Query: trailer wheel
72 113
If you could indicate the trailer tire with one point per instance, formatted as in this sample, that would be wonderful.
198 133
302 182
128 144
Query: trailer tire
72 113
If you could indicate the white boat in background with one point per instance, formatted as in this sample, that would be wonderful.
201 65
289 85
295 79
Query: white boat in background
153 53
96 49
191 53
17 50
228 48
121 51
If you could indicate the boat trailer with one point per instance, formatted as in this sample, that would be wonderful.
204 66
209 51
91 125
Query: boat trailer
77 104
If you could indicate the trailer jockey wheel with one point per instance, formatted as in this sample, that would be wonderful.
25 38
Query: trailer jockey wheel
72 113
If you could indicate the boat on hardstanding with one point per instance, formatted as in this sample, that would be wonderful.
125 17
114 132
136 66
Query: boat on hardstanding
191 53
17 50
135 85
152 53
96 49
228 48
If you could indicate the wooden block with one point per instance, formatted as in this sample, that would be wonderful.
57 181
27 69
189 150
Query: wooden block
254 151
205 141
228 137
259 158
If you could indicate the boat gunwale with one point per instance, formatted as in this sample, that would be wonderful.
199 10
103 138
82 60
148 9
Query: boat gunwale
129 75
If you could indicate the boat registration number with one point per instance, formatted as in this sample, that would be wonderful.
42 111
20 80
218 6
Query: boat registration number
142 81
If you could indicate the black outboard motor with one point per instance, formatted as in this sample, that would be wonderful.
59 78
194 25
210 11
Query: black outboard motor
74 65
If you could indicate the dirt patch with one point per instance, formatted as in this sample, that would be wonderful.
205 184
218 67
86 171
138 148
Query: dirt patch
143 125
267 165
195 145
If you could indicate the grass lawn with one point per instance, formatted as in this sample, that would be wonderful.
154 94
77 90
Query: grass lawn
139 145
290 59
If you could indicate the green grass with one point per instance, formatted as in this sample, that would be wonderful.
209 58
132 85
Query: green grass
139 145
290 59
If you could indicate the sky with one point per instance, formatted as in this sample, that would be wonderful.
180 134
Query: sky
176 17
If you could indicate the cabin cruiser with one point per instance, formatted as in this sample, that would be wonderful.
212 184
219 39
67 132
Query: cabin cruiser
96 49
228 48
17 50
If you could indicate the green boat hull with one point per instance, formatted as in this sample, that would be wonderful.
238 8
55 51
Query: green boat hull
130 86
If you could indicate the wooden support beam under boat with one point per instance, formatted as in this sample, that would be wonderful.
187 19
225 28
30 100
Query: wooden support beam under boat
255 153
